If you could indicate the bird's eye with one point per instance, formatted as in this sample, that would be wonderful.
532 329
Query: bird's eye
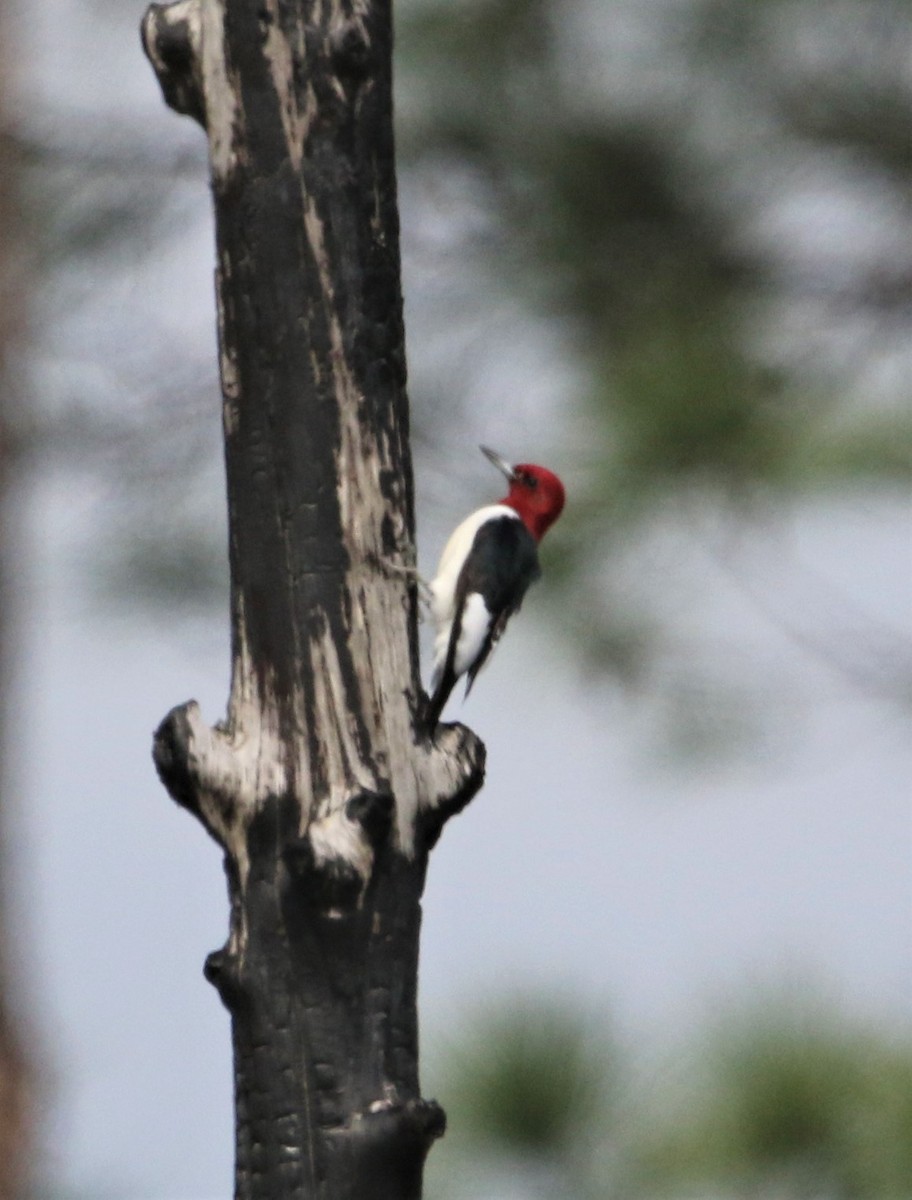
528 479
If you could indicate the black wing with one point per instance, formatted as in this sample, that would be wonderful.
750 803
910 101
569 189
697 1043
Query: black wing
501 565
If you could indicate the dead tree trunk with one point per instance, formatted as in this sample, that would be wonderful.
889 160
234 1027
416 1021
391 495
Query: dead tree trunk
322 785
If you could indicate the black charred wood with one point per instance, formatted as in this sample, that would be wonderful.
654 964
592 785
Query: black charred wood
374 813
221 969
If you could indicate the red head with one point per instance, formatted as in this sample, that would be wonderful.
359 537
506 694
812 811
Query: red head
535 492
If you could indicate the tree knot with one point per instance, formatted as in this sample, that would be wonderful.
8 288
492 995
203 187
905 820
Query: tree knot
335 858
350 46
222 970
171 38
391 1139
203 773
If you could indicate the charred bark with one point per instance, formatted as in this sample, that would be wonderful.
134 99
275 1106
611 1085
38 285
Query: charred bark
322 784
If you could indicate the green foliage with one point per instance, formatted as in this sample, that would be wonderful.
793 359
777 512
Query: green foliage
795 1101
777 1098
629 225
530 1077
613 224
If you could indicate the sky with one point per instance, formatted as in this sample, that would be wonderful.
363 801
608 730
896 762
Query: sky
594 864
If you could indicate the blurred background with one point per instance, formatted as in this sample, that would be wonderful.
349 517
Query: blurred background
664 247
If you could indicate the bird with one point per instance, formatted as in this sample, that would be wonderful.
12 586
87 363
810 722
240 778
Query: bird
487 565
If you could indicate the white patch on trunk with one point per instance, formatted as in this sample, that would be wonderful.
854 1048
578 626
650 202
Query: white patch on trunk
295 123
337 837
338 737
220 98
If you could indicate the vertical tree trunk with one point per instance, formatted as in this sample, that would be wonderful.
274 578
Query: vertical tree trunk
15 1114
322 785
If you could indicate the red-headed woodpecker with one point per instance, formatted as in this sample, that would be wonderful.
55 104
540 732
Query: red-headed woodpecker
485 569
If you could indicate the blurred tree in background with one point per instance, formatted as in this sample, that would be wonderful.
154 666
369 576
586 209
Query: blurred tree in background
704 207
775 1097
531 1086
790 1100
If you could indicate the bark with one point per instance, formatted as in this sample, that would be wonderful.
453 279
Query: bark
322 784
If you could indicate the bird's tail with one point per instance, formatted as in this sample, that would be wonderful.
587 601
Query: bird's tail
439 695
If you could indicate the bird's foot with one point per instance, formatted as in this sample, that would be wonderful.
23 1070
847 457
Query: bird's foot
425 595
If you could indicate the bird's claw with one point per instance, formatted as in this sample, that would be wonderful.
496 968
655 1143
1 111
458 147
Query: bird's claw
425 594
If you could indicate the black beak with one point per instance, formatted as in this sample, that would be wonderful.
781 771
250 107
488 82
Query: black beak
500 463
